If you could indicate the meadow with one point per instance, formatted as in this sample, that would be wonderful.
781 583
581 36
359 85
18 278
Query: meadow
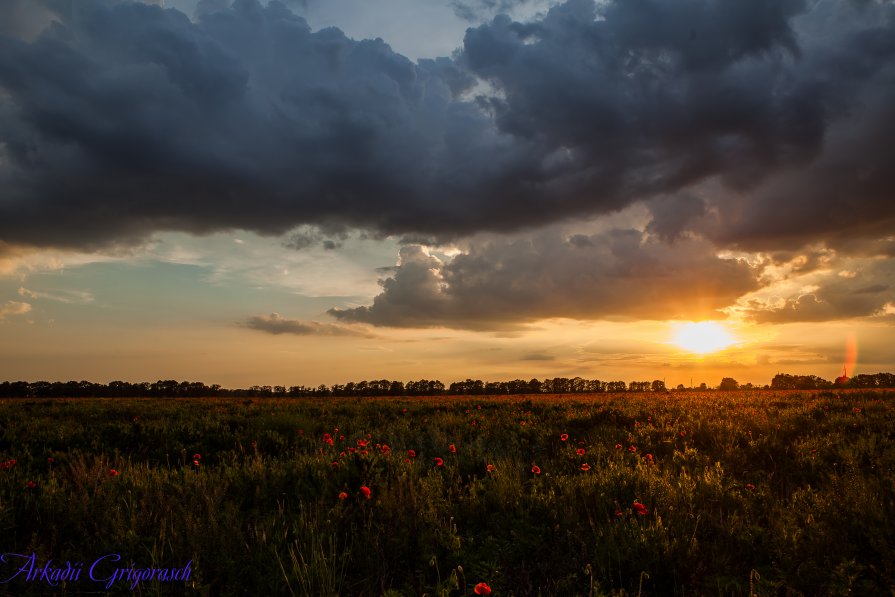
682 493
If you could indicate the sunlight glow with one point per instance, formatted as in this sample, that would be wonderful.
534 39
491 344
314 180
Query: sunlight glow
702 337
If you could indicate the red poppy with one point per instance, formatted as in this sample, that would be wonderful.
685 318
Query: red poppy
326 440
482 589
113 472
439 461
51 460
750 487
580 451
385 449
365 491
648 458
632 449
335 464
618 446
411 453
564 437
683 434
255 444
619 513
585 467
640 508
452 448
30 485
536 469
490 468
197 456
343 495
362 443
8 464
195 463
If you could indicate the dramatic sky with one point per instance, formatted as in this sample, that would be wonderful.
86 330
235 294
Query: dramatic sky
321 191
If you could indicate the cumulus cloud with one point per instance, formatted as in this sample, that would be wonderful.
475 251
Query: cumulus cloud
277 324
501 282
11 308
122 119
845 294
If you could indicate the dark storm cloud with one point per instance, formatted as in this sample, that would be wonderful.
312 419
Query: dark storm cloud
498 283
277 324
123 119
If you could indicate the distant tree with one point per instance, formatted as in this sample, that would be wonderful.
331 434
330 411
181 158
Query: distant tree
728 384
702 386
658 386
680 386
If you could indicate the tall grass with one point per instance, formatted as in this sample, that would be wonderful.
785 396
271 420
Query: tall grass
683 494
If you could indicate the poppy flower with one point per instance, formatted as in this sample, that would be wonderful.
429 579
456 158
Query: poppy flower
640 508
585 467
750 487
255 444
385 449
51 460
580 451
335 464
326 440
343 495
439 461
365 491
683 434
536 469
411 453
619 513
452 449
618 446
30 485
482 589
196 463
564 437
632 449
648 458
490 468
197 456
113 472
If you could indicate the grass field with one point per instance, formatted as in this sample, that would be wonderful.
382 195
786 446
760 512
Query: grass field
712 493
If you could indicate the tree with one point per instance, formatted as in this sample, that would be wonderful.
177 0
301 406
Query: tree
658 385
728 384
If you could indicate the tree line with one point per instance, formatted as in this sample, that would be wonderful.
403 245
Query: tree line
423 387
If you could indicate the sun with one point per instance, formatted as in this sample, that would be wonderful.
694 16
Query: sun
702 337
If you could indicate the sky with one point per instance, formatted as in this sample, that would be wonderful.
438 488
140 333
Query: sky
321 191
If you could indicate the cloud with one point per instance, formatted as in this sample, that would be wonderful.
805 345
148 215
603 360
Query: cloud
11 308
276 324
502 282
70 297
862 293
123 119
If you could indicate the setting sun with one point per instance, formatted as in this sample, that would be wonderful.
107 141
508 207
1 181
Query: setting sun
702 337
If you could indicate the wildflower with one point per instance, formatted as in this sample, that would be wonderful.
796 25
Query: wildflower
619 513
482 589
648 458
640 508
365 491
255 444
197 456
452 449
750 487
30 485
580 451
385 449
564 437
352 450
335 464
632 449
51 460
490 468
113 472
8 464
439 461
536 469
196 463
683 434
343 495
585 467
411 453
618 446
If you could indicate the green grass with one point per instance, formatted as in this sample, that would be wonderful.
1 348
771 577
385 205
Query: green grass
768 493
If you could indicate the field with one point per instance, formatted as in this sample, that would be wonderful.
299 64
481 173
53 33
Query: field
687 493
